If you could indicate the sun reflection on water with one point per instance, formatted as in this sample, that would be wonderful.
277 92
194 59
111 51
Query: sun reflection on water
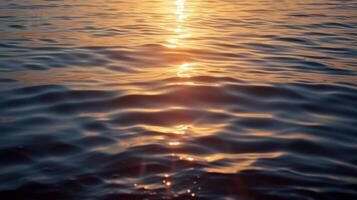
179 31
180 10
185 69
181 129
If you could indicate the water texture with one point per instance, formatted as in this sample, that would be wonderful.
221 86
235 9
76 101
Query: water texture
175 99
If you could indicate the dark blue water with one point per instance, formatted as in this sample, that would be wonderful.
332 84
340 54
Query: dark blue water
175 99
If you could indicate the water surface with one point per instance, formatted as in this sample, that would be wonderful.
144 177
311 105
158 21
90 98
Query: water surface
165 99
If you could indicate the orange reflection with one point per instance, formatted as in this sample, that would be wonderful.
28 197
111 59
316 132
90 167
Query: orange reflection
181 129
179 31
185 69
180 10
239 161
174 143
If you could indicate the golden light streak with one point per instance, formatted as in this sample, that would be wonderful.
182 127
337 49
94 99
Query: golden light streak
180 31
180 10
181 129
185 69
174 143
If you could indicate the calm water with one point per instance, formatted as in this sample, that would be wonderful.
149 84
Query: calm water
166 99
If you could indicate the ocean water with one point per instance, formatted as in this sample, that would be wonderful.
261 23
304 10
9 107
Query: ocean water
178 99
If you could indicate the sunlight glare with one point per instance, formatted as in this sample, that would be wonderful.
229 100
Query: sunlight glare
185 69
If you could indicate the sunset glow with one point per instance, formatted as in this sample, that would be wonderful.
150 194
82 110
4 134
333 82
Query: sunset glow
178 99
